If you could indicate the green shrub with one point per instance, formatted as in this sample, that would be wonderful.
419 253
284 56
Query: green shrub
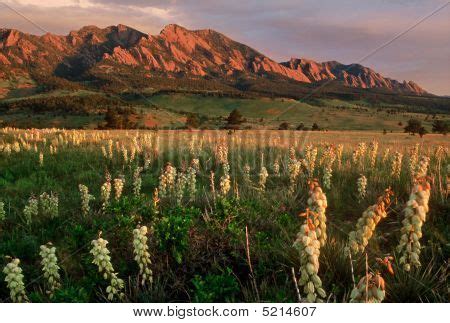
172 230
215 288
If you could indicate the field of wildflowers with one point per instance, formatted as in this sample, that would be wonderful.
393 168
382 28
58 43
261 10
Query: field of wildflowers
217 216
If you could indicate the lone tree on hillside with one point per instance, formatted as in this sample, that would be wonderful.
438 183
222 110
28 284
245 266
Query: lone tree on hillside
440 126
415 126
315 127
283 126
422 132
235 118
192 121
121 118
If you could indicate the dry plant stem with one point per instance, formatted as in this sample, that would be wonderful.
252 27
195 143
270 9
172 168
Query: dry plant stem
296 285
351 267
367 279
213 188
249 261
439 176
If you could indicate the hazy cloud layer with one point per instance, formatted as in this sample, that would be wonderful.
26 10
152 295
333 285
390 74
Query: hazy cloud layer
345 30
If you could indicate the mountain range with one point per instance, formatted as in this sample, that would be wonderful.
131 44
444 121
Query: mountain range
120 51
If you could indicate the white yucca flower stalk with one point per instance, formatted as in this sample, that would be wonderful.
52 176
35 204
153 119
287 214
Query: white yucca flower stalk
413 159
147 161
386 154
132 153
225 180
421 168
370 289
212 185
328 161
167 180
310 160
142 255
2 211
155 201
195 163
246 173
41 159
263 174
104 153
16 147
276 168
50 268
355 156
191 178
294 168
85 199
339 151
110 149
373 151
49 204
415 216
222 154
31 210
125 155
365 227
180 186
137 181
118 187
105 194
362 148
102 259
440 152
317 203
192 142
308 245
292 155
362 187
14 281
396 166
7 149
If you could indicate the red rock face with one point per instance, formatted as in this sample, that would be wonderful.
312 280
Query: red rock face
314 71
4 60
353 75
10 38
176 50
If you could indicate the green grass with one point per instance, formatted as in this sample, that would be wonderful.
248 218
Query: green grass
29 120
54 93
328 115
261 113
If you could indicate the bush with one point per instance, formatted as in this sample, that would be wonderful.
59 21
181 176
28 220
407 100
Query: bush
415 126
235 118
192 121
440 126
215 288
172 231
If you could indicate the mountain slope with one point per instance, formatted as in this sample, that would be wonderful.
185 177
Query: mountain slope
119 51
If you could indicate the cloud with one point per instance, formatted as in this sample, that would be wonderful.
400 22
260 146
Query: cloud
345 30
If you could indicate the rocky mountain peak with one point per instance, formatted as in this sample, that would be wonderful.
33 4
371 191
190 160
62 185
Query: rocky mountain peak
192 53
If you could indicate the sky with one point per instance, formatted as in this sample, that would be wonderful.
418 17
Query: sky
345 30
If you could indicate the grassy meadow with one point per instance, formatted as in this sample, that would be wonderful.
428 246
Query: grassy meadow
170 110
223 210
